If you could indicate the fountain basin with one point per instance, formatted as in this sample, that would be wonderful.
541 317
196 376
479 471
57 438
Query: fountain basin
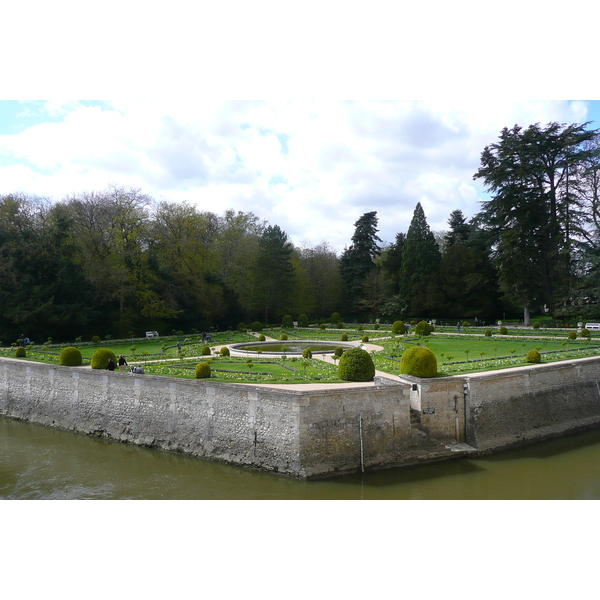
290 347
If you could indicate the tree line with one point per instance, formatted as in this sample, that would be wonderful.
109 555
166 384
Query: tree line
118 263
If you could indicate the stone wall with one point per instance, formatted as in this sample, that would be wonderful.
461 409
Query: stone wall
314 433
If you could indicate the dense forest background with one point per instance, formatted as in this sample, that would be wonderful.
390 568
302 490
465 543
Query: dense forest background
117 262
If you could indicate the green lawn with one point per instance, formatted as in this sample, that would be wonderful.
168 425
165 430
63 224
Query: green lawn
455 354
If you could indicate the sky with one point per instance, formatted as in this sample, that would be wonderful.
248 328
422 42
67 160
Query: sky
313 167
307 115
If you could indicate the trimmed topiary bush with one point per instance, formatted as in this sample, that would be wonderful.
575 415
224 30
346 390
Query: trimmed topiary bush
205 350
418 361
365 339
202 370
536 325
95 339
224 351
242 327
336 317
585 333
344 337
533 356
572 335
261 338
339 351
70 357
101 356
306 353
356 365
302 320
20 353
423 328
283 337
465 323
398 327
256 326
503 331
287 321
376 326
488 333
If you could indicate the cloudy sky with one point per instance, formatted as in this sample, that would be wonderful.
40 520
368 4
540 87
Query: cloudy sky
311 167
301 159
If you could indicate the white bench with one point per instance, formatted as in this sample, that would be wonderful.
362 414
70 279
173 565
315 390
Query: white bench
592 325
150 334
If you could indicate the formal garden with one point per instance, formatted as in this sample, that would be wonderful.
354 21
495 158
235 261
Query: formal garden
475 349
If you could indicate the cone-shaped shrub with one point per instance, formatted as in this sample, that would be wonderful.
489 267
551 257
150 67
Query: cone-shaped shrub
419 361
202 370
70 357
356 365
101 356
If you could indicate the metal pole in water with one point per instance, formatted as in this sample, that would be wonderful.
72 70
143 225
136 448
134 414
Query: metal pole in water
362 457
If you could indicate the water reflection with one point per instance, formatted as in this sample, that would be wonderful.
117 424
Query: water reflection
41 463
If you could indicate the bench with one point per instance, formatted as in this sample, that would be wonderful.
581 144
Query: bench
592 325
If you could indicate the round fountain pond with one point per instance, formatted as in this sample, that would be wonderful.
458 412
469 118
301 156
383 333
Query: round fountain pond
291 347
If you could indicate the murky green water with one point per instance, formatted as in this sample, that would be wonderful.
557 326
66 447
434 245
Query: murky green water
41 463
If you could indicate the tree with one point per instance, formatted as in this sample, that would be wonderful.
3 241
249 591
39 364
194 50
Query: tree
535 214
420 258
358 261
274 272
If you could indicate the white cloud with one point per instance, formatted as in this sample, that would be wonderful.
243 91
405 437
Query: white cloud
312 167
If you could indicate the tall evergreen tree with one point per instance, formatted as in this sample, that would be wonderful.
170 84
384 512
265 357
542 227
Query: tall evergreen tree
358 261
535 215
420 258
274 272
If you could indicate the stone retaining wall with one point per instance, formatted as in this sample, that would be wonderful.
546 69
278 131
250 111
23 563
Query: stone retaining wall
313 433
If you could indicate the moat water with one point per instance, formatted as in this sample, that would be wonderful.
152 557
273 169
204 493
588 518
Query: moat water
43 463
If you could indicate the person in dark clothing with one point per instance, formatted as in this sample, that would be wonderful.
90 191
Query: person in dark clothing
122 363
111 365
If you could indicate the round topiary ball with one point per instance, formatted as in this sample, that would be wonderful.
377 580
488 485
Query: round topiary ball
20 353
365 339
536 325
70 357
423 328
261 338
202 370
339 351
224 351
356 365
585 333
419 361
95 339
533 356
205 350
306 353
283 337
256 326
572 335
242 327
503 331
287 321
344 337
398 327
101 356
302 320
488 333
